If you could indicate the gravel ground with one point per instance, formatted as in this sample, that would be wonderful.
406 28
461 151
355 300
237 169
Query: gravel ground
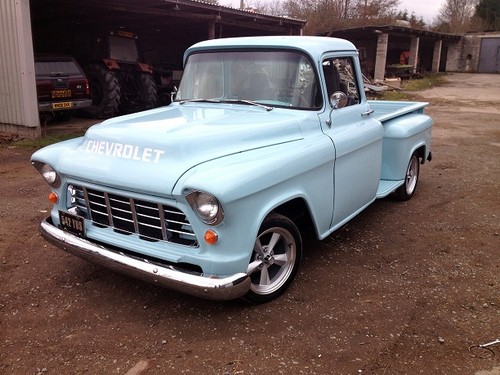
405 288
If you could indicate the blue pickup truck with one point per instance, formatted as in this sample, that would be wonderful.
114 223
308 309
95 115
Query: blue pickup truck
209 195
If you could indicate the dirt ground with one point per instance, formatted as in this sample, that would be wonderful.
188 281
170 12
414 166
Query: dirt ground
405 288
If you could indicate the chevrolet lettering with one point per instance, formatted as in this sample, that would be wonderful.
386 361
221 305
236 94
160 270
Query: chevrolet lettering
267 139
125 151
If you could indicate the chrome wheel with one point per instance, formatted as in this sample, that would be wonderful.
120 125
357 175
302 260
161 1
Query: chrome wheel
406 191
275 259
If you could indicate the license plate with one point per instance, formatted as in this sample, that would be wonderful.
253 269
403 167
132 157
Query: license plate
61 94
72 223
61 105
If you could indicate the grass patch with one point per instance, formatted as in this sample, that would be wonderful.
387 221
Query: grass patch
410 88
397 96
45 141
428 82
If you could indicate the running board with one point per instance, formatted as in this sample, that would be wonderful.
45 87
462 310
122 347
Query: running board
386 187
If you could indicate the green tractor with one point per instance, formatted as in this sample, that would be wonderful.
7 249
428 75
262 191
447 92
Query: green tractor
119 82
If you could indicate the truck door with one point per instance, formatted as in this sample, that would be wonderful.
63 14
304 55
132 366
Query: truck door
356 135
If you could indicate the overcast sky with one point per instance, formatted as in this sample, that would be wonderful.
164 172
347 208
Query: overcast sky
428 9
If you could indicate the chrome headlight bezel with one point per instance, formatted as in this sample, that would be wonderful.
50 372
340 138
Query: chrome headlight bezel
206 206
48 173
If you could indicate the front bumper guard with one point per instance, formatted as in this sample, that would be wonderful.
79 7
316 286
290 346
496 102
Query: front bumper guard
227 288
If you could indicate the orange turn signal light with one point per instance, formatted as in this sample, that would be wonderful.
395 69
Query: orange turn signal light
211 237
53 198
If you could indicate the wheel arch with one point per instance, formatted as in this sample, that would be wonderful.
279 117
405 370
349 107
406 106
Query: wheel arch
421 152
298 211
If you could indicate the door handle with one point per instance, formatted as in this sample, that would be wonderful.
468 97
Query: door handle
367 113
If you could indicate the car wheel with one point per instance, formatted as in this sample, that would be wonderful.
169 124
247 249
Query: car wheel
275 259
406 191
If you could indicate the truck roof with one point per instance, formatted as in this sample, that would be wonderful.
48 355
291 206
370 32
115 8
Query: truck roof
315 46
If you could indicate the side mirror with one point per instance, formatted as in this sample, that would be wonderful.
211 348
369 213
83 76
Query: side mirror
338 100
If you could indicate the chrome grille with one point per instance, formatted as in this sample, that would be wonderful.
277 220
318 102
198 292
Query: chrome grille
150 221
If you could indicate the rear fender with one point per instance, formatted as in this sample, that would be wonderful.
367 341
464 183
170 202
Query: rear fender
111 64
402 137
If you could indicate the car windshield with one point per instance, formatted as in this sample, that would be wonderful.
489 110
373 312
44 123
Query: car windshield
274 78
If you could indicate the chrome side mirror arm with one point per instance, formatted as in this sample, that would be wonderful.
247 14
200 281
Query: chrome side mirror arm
337 100
173 93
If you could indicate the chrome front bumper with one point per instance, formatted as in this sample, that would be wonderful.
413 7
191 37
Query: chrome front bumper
227 288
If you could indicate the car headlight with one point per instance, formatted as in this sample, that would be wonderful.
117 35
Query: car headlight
48 173
206 206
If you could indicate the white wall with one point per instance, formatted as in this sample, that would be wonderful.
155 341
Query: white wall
18 102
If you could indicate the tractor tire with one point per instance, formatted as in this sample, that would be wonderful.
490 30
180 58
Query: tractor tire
105 92
148 94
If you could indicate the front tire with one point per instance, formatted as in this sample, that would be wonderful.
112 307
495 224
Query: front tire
105 91
407 190
146 88
275 259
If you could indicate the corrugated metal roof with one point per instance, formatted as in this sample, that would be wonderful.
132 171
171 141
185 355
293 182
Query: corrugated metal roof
248 10
159 13
393 29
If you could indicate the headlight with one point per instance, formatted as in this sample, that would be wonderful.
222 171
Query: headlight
206 206
48 173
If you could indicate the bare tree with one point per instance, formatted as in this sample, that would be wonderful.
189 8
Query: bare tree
374 9
325 15
455 15
489 12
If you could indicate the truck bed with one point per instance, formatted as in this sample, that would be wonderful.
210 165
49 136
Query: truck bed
387 110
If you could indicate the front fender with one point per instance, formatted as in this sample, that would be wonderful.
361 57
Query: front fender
251 184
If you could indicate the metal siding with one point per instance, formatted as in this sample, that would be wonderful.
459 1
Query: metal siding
489 59
18 101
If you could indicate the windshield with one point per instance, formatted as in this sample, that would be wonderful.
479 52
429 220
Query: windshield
123 49
277 78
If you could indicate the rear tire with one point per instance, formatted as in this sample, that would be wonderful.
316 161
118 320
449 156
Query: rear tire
105 92
407 190
275 259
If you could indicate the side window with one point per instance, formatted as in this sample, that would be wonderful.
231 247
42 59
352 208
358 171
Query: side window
340 76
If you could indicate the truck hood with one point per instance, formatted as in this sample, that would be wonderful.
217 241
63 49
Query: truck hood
149 151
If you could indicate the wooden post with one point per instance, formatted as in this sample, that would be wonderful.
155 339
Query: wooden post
436 56
381 58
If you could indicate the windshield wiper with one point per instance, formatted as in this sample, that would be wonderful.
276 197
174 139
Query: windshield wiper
240 101
251 102
199 100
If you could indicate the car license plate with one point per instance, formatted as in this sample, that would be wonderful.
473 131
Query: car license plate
61 105
72 223
61 94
